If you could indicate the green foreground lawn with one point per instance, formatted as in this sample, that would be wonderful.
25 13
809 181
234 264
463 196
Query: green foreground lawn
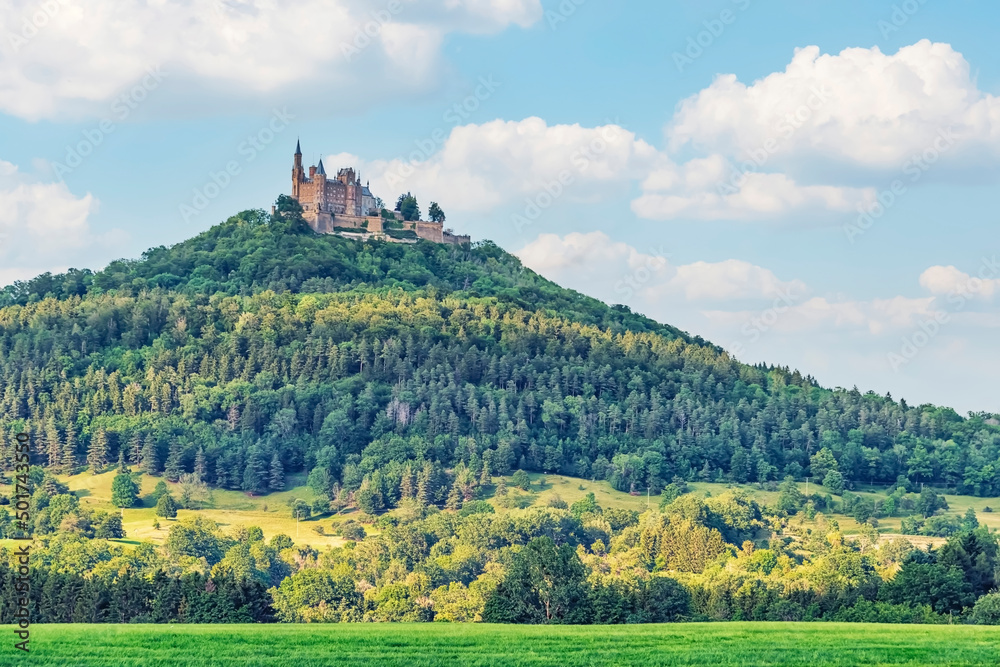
716 644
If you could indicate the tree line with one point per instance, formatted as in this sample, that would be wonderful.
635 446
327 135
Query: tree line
694 558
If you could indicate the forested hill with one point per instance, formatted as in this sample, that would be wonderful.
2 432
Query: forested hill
251 253
259 348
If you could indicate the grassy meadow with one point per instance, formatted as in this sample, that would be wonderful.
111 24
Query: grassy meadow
227 508
432 645
572 489
271 513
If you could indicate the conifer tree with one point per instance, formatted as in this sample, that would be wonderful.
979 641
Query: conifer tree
172 469
135 449
150 465
166 506
406 484
424 491
237 466
276 479
53 446
97 453
200 465
221 473
124 491
454 501
255 474
69 452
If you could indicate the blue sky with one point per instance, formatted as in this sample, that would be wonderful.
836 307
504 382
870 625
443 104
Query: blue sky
716 186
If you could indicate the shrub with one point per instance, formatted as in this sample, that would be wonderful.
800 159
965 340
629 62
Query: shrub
521 480
124 490
987 610
475 507
672 492
834 481
557 502
300 509
353 531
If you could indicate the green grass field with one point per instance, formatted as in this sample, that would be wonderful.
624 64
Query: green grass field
717 644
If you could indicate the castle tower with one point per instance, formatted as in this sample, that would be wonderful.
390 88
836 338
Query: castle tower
320 180
298 175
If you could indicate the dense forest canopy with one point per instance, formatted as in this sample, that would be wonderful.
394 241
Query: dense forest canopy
259 339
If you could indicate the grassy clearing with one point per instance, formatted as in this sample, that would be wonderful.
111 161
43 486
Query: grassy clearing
743 644
228 508
572 489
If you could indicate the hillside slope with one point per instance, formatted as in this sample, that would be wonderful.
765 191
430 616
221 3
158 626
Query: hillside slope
258 349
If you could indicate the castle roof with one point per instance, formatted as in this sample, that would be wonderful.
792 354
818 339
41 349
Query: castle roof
298 148
320 169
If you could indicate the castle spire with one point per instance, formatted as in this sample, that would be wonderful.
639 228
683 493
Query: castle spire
320 169
298 148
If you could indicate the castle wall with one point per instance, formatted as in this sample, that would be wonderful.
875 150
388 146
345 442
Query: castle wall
432 231
456 239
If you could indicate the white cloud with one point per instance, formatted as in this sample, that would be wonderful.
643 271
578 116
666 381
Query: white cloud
40 224
60 58
731 279
44 213
602 264
796 142
480 167
950 281
685 192
647 279
581 251
860 107
819 314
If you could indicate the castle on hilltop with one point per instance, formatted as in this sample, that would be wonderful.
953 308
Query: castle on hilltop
344 206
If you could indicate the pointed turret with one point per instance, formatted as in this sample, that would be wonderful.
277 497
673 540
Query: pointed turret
320 169
298 174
